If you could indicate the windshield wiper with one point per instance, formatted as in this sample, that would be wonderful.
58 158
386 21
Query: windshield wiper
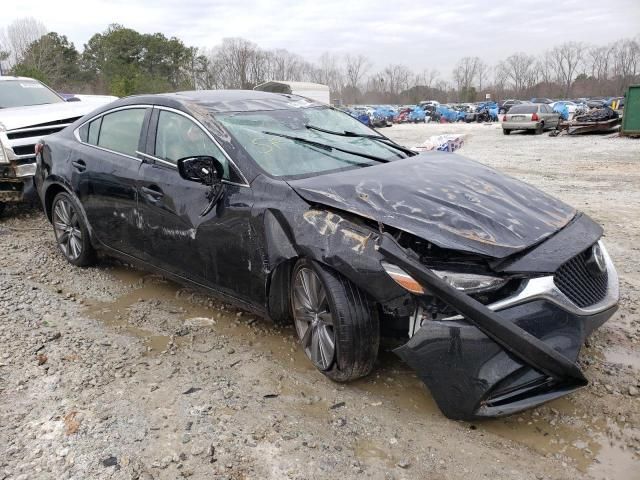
329 148
380 139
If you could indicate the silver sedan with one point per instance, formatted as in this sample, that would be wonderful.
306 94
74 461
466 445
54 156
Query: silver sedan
538 117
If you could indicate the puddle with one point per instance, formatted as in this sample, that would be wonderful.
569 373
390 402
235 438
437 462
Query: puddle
572 433
622 357
368 452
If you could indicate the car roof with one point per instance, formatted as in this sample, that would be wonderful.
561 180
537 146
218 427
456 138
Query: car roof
221 101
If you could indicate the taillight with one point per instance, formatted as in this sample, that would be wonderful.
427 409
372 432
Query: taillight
504 119
38 148
534 117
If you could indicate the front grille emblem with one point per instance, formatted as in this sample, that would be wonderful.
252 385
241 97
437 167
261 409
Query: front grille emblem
596 260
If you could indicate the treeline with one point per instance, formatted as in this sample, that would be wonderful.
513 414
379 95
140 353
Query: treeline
121 61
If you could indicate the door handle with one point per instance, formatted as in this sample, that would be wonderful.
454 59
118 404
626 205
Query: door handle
153 192
79 165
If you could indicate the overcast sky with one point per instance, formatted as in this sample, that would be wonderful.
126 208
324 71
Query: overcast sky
418 33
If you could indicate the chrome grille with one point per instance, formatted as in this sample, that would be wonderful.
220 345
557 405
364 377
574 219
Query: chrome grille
579 282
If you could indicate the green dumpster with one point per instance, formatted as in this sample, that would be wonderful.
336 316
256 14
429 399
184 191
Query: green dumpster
631 115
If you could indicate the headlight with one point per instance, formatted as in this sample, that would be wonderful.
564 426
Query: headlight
470 282
465 282
403 279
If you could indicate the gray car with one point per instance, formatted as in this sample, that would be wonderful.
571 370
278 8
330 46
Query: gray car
537 116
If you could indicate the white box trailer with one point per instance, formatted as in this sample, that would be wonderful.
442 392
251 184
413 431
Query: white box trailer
314 91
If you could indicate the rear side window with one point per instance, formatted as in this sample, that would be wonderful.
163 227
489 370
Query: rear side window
120 131
524 109
94 130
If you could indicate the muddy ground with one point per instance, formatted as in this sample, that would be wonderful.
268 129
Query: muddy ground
109 372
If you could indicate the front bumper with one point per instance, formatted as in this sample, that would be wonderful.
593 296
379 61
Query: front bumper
499 359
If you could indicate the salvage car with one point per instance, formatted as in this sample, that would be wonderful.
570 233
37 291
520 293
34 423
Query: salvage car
29 110
534 116
299 213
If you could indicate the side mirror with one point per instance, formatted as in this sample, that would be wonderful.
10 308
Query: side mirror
201 169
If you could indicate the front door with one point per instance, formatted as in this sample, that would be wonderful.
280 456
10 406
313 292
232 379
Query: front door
209 246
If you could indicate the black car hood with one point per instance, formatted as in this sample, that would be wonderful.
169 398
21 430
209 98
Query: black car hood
446 199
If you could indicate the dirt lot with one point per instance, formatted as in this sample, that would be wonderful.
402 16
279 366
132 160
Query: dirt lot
109 372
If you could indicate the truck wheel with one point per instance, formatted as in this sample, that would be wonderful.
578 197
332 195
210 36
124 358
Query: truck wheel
506 131
71 232
337 328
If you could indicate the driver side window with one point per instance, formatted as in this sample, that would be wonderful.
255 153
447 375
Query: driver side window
179 137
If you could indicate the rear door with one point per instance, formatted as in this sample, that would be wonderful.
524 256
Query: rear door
105 174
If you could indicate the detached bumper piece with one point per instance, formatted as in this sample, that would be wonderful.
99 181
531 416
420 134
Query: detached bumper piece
487 363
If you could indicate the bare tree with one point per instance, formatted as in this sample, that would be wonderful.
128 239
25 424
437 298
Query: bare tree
328 72
626 64
18 35
240 63
465 72
566 59
482 73
518 70
355 68
600 59
428 77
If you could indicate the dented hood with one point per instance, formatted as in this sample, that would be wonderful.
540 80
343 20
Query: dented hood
446 199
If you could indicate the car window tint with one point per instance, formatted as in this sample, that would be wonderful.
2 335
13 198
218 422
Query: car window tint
179 137
94 130
120 131
83 132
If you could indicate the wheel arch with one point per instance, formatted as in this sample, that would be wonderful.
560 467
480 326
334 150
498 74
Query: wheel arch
50 194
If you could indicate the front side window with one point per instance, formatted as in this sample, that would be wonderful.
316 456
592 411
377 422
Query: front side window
263 135
179 137
120 130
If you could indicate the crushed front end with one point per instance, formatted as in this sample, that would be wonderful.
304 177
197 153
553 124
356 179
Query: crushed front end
17 165
492 345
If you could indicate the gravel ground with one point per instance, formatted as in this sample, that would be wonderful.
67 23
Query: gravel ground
110 372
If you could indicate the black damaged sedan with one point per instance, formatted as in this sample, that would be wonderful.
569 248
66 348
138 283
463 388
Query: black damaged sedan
298 212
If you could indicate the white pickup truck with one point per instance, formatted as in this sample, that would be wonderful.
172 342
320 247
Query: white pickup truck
29 110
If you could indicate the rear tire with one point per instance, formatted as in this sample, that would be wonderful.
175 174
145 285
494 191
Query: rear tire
506 131
341 313
539 129
71 232
2 205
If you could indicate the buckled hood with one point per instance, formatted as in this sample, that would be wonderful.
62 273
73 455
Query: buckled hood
446 199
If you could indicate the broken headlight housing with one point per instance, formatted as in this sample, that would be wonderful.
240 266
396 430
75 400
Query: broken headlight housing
471 282
465 282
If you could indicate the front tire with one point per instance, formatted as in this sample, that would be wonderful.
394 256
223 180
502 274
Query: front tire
337 328
71 232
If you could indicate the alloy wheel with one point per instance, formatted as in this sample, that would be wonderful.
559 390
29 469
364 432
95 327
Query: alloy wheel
66 225
313 318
